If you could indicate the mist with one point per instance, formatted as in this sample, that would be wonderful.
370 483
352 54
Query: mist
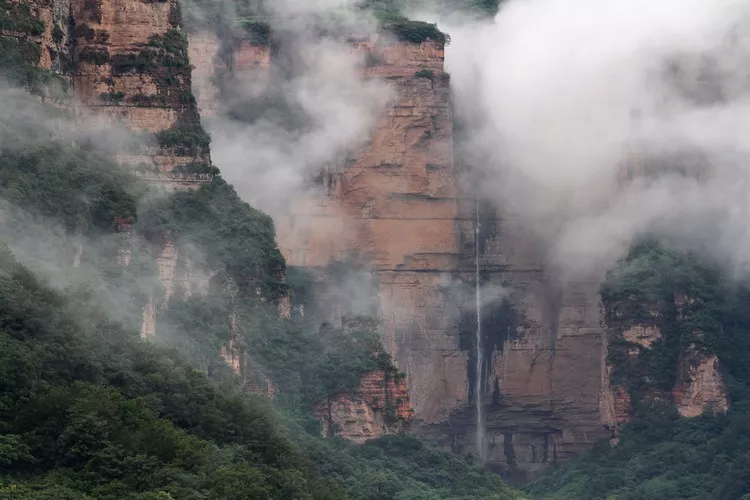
559 97
313 109
593 123
63 236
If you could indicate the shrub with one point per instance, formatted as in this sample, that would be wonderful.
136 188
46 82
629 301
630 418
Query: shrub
57 34
259 32
112 97
17 17
425 73
102 37
131 61
413 31
93 8
187 137
196 168
84 31
186 97
174 45
18 60
148 100
163 51
30 51
94 55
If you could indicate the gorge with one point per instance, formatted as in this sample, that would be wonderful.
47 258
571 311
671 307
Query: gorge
417 273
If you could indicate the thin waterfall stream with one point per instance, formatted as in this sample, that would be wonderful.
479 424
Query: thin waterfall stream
479 355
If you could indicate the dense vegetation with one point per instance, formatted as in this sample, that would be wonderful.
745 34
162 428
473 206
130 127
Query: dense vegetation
87 408
90 411
18 59
16 17
19 56
659 454
660 457
412 31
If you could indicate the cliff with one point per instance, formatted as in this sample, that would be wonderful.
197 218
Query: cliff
127 63
402 205
395 204
131 68
378 407
652 365
220 62
551 371
34 40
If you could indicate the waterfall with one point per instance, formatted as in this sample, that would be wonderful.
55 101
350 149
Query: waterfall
479 355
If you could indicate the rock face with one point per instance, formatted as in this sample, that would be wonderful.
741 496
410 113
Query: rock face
640 336
216 60
401 204
36 33
379 406
131 68
44 23
395 204
700 386
205 50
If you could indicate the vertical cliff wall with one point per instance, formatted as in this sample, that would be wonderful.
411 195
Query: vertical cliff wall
541 346
43 23
34 40
132 68
394 204
402 205
379 406
551 373
398 203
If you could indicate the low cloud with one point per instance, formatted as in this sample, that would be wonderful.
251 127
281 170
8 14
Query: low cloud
313 107
559 97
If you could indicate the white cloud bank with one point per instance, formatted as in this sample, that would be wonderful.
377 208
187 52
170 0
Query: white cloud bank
548 90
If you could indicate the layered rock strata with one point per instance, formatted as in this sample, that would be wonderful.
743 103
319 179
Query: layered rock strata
539 375
546 381
128 64
394 205
633 333
401 204
379 406
700 386
132 69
